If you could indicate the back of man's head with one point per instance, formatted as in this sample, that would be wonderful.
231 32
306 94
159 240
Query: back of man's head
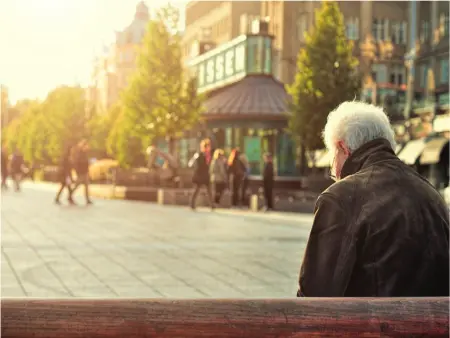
355 123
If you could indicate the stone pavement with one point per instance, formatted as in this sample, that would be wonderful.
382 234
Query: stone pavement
132 249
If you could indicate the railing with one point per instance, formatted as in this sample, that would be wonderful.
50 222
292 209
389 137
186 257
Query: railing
258 318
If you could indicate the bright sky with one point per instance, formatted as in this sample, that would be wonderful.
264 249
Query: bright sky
46 43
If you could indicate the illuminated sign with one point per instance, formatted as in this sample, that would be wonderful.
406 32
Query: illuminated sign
231 61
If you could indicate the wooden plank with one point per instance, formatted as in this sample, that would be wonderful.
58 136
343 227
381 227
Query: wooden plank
258 318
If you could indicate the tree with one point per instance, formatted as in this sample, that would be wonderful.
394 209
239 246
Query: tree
33 135
99 127
326 76
27 131
161 101
44 129
124 141
66 119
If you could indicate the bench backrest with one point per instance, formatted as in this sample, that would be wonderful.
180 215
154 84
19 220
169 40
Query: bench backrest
249 318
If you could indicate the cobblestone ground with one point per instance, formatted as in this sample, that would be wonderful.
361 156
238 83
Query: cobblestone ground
132 249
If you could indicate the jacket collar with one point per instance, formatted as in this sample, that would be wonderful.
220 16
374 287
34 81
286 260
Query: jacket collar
368 154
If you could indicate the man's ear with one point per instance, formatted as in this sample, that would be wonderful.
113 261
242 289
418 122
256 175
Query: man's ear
344 148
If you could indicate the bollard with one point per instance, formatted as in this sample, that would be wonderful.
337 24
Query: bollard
254 202
160 197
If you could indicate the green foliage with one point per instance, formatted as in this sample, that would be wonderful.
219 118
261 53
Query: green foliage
326 76
99 127
161 101
123 140
44 130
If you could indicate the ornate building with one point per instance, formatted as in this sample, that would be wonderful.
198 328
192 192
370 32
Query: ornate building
112 69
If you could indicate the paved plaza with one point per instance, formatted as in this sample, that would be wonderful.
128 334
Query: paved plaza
132 249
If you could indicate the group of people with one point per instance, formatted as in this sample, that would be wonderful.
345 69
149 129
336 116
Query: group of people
75 158
12 166
215 172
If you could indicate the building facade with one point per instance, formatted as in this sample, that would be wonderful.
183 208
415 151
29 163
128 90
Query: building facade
126 45
246 101
378 30
426 132
215 22
113 68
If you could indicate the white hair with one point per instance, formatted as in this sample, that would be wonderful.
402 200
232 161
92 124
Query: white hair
356 123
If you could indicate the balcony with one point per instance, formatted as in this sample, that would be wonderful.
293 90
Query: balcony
377 51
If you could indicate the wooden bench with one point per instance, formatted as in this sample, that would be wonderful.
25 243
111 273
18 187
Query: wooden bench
250 318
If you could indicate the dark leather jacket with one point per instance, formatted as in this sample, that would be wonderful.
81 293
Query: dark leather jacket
381 231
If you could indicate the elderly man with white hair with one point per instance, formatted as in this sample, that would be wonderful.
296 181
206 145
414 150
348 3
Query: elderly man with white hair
381 230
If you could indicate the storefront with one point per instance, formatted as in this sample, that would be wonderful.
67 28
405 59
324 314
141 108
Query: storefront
245 106
429 134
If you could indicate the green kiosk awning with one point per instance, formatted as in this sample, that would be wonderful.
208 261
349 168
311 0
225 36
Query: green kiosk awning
411 152
432 152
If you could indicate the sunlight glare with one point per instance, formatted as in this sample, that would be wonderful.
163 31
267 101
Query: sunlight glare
47 7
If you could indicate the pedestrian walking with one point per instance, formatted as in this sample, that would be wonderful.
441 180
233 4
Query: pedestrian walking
80 162
200 162
4 168
218 174
236 170
65 176
268 180
17 168
381 230
245 196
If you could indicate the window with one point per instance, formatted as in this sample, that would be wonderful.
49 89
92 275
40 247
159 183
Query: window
374 76
423 75
302 26
375 29
443 71
397 74
352 28
424 31
398 32
384 27
395 30
380 29
402 32
392 79
444 24
381 74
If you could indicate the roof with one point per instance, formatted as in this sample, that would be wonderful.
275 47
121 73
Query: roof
253 95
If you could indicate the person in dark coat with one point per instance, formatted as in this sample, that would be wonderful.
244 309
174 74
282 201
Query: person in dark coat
381 230
65 176
236 170
245 197
80 162
268 179
200 162
4 163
